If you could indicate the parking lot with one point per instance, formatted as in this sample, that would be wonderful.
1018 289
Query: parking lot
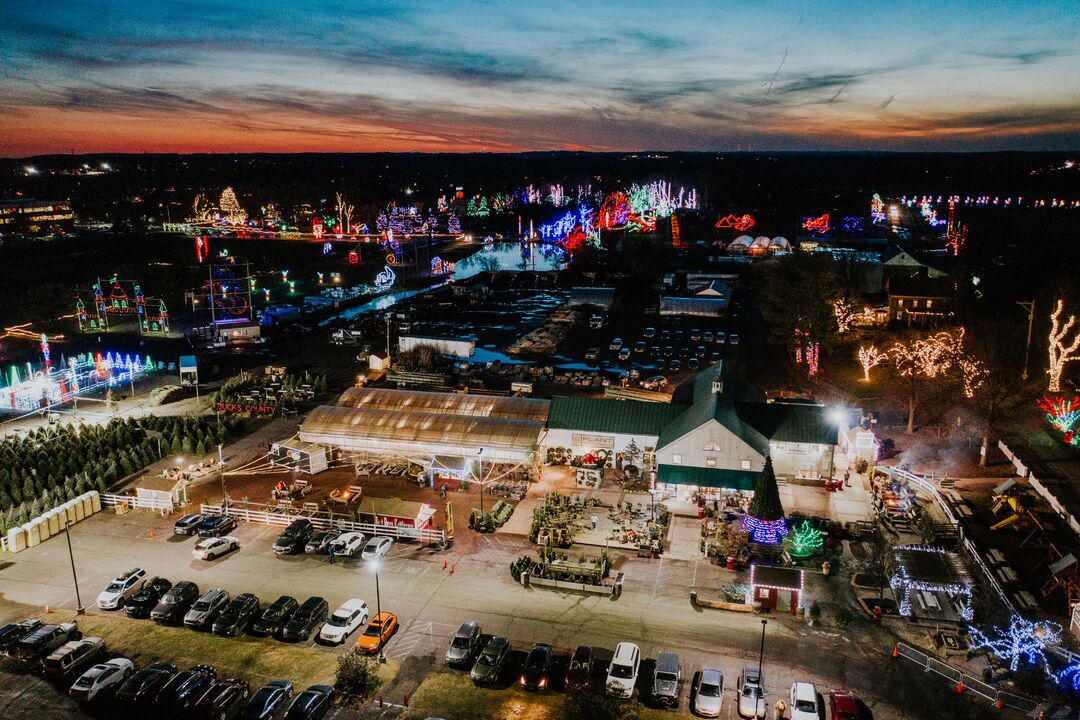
431 602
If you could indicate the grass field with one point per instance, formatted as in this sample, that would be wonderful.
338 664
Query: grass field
454 697
253 659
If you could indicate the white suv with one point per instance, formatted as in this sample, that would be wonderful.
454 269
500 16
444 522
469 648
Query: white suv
345 620
121 588
623 670
804 705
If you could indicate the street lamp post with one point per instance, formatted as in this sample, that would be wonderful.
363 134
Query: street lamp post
378 606
761 657
79 610
480 481
1030 307
221 469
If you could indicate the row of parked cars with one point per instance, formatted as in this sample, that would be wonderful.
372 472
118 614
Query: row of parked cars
215 610
62 654
488 659
300 536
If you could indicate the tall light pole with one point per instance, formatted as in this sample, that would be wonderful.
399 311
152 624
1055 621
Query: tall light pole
221 469
378 606
1030 307
760 658
79 610
480 480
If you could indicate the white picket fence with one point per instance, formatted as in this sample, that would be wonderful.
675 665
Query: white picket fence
321 521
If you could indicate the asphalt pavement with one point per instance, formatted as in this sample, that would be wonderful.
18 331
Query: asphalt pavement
432 602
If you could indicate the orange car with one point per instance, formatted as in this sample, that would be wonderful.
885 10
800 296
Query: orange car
378 631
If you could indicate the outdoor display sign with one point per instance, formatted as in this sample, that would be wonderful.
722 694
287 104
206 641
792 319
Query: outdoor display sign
189 370
240 408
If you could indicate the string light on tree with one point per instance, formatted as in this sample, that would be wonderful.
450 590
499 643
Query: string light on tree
844 311
1060 353
973 372
1022 639
805 540
231 212
870 357
764 519
1062 414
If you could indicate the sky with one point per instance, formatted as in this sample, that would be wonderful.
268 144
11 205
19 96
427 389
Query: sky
503 75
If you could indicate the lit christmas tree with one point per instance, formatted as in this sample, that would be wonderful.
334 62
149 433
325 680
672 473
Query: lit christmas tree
1022 639
453 224
231 212
765 517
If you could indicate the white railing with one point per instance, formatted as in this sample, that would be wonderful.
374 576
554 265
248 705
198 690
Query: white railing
135 502
321 521
965 682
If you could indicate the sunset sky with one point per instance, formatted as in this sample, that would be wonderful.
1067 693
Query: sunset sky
184 76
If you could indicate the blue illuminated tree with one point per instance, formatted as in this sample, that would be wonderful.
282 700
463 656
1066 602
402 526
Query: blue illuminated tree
1022 639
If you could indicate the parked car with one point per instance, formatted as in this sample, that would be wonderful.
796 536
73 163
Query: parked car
305 619
348 544
616 345
206 609
267 700
144 685
465 644
721 338
175 603
293 538
693 364
99 679
751 694
184 688
377 547
274 617
11 633
708 692
73 657
312 704
649 332
378 632
842 705
44 639
667 677
579 672
216 525
320 541
492 660
234 618
675 365
733 339
215 547
695 334
714 357
623 670
803 701
708 337
537 671
669 351
345 621
224 700
624 354
592 354
188 525
639 346
143 602
121 588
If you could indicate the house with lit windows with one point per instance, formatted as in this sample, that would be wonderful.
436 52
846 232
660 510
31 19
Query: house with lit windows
921 299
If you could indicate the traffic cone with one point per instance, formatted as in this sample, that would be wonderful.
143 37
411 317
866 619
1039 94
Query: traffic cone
451 569
997 704
151 533
959 688
895 650
48 609
444 564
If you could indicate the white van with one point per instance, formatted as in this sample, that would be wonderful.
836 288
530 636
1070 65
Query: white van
804 704
623 670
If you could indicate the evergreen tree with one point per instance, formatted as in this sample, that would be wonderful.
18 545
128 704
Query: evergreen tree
176 447
200 449
188 447
766 502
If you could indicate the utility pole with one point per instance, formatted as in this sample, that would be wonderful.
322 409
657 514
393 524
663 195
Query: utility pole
221 469
378 608
1030 307
79 610
388 316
